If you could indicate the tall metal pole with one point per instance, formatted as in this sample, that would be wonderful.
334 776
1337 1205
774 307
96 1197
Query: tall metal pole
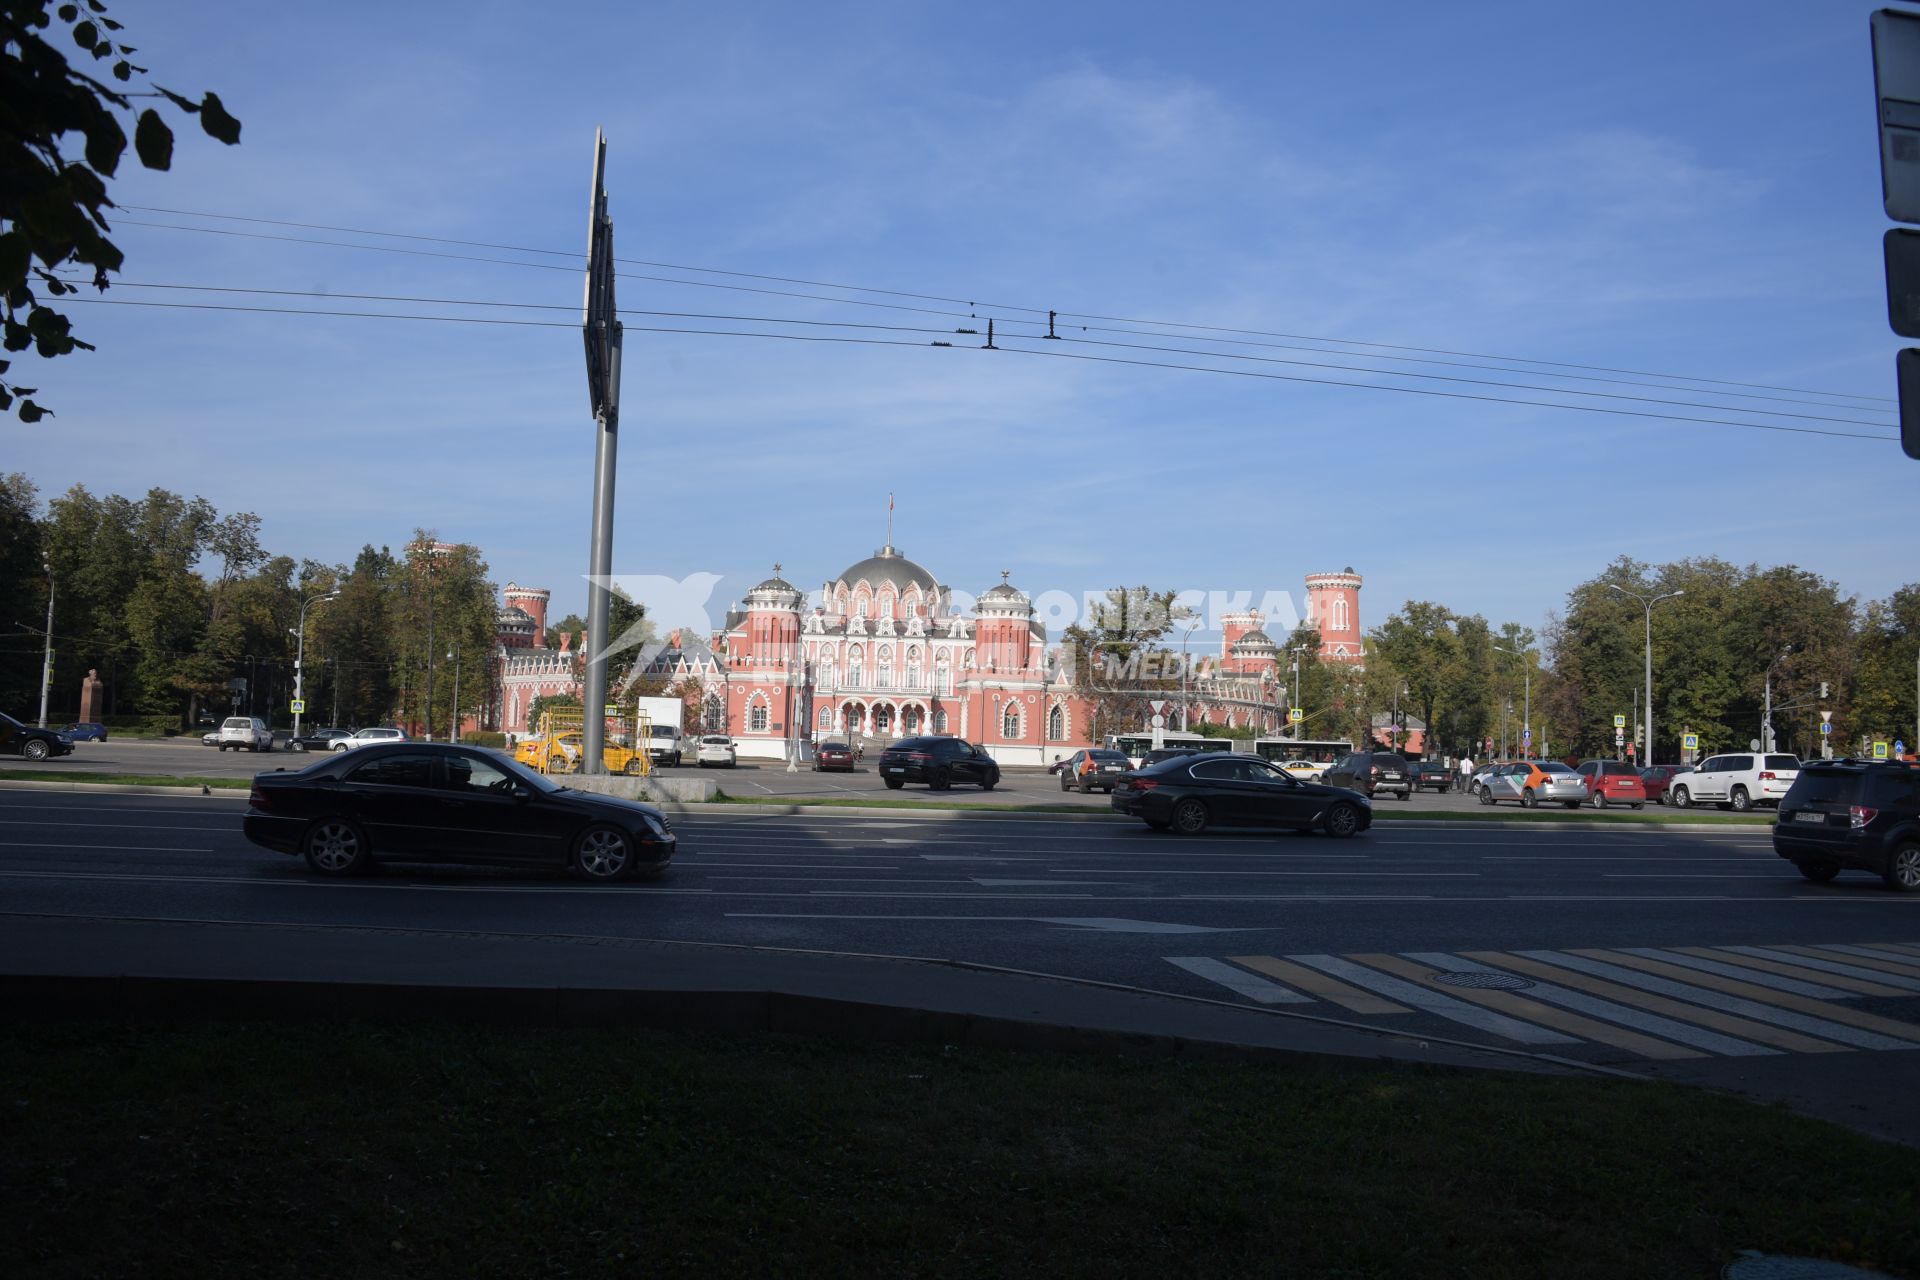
300 658
46 660
453 729
603 340
1647 603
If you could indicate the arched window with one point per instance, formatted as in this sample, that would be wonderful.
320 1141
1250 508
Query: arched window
1057 723
940 722
1339 613
826 719
860 602
970 660
910 720
883 720
886 666
716 714
1010 721
856 666
757 718
913 667
886 604
943 671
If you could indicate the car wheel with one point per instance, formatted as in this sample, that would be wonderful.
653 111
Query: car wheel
1064 785
894 784
299 747
991 781
1903 868
1343 821
335 847
1528 800
1083 787
1741 800
342 747
1818 872
603 854
1190 817
633 767
1486 796
1682 798
941 780
34 749
1599 799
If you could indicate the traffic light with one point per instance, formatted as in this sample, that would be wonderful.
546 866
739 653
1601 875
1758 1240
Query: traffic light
1896 85
1823 688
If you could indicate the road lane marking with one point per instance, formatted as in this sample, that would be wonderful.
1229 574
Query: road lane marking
1107 924
1746 966
125 848
1739 998
120 826
1822 964
1537 1005
1009 884
1238 980
1727 969
1874 960
1561 973
1354 998
1420 997
1331 871
1904 948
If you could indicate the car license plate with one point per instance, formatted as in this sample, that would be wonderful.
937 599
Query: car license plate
900 770
1820 818
1389 777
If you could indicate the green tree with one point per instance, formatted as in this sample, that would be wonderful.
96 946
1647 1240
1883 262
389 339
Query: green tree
1115 659
442 613
23 585
351 637
53 194
1885 698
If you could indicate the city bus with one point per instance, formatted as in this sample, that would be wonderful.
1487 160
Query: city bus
1136 745
1320 754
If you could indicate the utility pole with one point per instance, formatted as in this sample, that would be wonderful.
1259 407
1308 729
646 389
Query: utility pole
1647 602
46 660
1766 716
453 730
1526 717
300 660
600 326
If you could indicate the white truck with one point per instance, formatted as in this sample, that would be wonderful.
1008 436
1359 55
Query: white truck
665 741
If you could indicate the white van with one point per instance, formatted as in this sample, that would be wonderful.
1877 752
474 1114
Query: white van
665 743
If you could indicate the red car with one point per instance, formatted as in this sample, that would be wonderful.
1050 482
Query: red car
832 755
1660 777
1613 782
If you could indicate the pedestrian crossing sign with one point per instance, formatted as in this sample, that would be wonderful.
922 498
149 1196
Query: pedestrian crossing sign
1619 722
299 706
1879 751
1690 741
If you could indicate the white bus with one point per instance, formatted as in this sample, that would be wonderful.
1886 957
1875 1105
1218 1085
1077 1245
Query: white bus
1318 756
1136 745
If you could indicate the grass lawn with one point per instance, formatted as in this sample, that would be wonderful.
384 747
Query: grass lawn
121 779
433 1150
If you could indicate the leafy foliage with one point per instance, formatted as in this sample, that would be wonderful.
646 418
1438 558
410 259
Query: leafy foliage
51 202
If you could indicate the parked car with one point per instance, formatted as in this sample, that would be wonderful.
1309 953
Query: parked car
1371 772
85 732
1094 768
30 741
1659 779
715 749
833 755
1157 754
1613 782
1737 781
938 762
1534 782
1196 792
210 739
318 739
244 733
346 813
1481 772
1306 770
368 738
664 744
1433 774
1853 815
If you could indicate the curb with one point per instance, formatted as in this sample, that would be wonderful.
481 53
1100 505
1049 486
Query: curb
125 788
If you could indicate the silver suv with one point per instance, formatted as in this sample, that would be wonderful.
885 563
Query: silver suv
367 738
244 733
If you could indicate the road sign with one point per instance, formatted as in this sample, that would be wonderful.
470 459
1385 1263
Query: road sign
1296 715
1825 729
1158 705
1619 737
1690 741
1619 722
1526 736
1158 721
299 706
1825 716
1879 751
1896 84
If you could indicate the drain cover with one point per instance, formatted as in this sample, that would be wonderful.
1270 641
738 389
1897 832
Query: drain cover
1484 981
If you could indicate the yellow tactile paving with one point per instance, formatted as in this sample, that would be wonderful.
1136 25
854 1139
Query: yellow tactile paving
1316 983
1818 976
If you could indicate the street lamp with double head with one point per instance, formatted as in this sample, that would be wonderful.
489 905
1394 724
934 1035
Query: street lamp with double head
1647 602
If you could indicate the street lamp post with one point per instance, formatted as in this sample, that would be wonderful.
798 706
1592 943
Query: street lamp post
1526 709
46 659
300 657
1766 713
453 729
1183 672
1647 602
1293 690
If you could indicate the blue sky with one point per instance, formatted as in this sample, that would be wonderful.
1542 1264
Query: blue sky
1685 188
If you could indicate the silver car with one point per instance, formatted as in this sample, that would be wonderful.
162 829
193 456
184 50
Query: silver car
368 737
1536 783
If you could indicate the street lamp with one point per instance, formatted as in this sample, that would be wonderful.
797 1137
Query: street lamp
1183 671
46 660
1766 714
453 655
1647 602
1526 716
1293 690
300 658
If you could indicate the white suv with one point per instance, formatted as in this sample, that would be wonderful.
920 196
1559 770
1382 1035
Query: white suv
248 733
368 737
1739 781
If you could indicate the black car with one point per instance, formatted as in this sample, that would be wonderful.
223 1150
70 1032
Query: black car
1432 773
1093 769
317 739
30 741
1859 815
938 762
436 802
1196 792
1371 772
1157 754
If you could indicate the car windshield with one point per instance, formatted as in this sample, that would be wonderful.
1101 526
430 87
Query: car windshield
521 773
1109 757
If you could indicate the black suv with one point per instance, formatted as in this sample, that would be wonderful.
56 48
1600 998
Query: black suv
1432 773
1861 815
938 762
1371 772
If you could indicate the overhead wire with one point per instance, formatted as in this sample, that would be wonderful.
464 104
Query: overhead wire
1589 371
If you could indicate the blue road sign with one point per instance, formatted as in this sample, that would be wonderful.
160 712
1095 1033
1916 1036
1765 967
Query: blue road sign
1826 729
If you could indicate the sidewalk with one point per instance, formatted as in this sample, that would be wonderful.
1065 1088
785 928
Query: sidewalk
64 966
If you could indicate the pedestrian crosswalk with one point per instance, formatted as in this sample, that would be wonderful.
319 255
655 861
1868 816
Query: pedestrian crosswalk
1647 1002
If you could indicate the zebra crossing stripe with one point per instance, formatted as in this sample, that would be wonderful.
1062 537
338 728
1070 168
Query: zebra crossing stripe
1903 948
1685 1033
1433 1002
1752 1002
1794 986
1825 964
1421 967
1679 1010
1238 981
1321 985
1882 964
1754 964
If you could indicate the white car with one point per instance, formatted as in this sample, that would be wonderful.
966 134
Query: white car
367 737
715 748
244 733
1737 781
1305 770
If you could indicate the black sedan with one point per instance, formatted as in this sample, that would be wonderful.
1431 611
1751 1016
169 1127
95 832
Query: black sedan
30 741
318 739
436 802
1194 793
